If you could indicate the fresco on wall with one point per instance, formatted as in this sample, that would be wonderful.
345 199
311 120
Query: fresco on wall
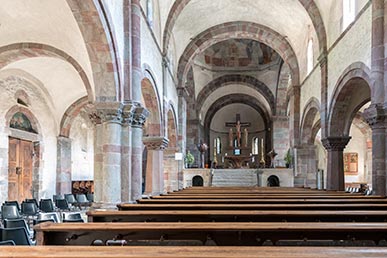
240 53
350 163
21 122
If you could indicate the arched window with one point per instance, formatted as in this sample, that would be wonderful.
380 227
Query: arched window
149 12
310 56
218 145
255 147
349 12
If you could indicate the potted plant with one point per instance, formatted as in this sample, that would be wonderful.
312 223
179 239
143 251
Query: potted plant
189 159
288 158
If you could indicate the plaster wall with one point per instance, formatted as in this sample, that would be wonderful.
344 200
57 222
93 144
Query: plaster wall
358 144
310 88
151 56
82 150
350 49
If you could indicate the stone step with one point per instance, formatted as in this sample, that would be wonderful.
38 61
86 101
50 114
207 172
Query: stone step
234 177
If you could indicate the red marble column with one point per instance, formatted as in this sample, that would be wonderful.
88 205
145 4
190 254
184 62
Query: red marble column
335 166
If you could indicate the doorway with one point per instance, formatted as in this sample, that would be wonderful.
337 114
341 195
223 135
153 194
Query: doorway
197 181
20 169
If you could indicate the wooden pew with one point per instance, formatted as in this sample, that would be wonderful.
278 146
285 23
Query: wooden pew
262 206
189 252
204 233
262 200
237 216
268 196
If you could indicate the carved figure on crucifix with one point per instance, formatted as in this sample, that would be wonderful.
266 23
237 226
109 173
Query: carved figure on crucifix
238 132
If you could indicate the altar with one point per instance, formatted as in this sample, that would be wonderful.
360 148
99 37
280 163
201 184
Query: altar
238 161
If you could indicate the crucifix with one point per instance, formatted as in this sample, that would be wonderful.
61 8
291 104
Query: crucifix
238 125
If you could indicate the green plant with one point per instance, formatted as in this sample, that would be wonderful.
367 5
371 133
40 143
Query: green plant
189 158
288 157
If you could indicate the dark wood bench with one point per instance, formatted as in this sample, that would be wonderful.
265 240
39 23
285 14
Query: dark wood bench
189 252
237 216
204 233
262 206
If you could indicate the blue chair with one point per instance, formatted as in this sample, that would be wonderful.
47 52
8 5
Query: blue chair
18 235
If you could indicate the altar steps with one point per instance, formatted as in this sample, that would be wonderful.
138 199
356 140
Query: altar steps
234 177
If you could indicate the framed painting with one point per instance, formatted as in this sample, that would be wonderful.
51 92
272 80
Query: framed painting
350 163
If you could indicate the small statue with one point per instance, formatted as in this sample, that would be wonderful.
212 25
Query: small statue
272 155
238 132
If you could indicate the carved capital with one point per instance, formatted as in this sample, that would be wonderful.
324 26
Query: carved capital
106 112
335 143
127 113
375 115
140 115
155 143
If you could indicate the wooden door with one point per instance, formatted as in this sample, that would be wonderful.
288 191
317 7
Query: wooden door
20 169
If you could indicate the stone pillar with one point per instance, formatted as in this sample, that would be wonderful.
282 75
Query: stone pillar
375 116
323 60
126 152
63 167
107 172
170 170
182 131
335 166
306 166
155 164
139 117
135 33
280 138
295 96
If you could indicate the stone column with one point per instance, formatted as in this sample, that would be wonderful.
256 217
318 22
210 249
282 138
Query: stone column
107 172
182 131
170 170
140 114
135 33
294 120
375 116
306 166
335 166
63 167
323 61
126 152
155 164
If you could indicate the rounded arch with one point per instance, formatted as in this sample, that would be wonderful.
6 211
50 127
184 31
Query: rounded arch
172 127
236 98
151 100
68 117
312 108
93 20
19 51
246 80
197 181
352 91
243 30
310 7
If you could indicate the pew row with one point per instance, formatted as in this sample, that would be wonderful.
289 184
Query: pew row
189 252
262 206
237 216
220 234
263 200
266 196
